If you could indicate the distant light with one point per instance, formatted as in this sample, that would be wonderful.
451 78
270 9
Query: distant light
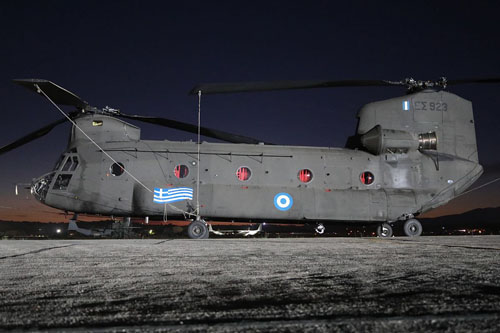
58 231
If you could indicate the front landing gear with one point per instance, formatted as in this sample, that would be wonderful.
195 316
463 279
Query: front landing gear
412 228
198 229
384 230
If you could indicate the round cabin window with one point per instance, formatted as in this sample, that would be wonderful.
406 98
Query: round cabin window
181 171
305 175
367 178
117 169
243 174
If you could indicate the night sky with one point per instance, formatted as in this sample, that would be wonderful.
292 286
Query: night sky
143 57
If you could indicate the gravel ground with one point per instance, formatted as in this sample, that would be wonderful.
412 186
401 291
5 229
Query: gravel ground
269 285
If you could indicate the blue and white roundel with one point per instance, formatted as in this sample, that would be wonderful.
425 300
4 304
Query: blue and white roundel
283 201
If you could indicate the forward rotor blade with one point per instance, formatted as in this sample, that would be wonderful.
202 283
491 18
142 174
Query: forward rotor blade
56 93
31 136
208 132
234 87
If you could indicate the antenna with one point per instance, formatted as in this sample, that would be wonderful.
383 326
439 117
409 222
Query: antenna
198 158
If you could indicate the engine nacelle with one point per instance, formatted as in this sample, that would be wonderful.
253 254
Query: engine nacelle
380 141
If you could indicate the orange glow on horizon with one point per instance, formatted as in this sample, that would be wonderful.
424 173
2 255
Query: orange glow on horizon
26 208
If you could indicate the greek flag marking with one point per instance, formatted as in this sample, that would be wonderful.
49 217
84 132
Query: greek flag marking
406 105
166 195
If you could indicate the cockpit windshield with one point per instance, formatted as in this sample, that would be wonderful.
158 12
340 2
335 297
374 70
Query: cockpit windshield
63 172
67 162
70 163
59 162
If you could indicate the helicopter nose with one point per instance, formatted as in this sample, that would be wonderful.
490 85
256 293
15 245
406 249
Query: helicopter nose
40 186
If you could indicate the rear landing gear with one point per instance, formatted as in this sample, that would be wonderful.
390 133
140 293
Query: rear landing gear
412 228
384 230
198 229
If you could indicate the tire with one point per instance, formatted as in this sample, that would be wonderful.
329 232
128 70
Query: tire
413 228
384 230
198 230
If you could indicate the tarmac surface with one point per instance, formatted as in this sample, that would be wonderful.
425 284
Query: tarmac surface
269 285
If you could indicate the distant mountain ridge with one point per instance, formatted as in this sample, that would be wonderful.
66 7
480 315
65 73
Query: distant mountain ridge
480 218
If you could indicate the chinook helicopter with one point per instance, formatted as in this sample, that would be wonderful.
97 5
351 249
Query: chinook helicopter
409 154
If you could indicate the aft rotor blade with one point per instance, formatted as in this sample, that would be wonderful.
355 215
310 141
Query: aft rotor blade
474 80
208 132
31 136
56 93
235 87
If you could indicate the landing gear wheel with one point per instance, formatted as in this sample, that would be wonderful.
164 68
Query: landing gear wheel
320 228
384 230
413 228
198 230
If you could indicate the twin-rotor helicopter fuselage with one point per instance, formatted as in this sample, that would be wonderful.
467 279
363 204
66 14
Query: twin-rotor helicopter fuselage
410 154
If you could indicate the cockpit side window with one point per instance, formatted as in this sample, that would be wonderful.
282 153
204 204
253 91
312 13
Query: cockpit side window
62 182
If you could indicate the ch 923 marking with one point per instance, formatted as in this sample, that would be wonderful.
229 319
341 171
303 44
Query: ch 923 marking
430 106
